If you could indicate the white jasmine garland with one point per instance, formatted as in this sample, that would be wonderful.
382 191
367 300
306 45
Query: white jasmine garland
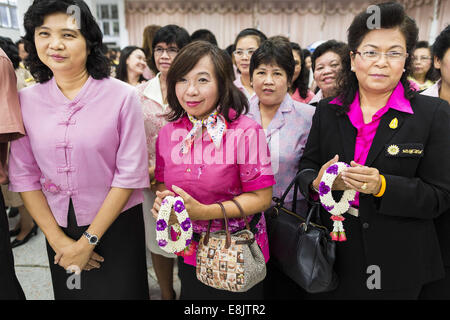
163 236
337 209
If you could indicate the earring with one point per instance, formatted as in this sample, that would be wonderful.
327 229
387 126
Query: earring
404 69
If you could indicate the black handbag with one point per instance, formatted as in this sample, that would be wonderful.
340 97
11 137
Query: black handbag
300 246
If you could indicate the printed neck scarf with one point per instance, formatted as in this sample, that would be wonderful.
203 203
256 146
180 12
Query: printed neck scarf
215 125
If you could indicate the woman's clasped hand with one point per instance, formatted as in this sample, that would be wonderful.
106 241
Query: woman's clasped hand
357 177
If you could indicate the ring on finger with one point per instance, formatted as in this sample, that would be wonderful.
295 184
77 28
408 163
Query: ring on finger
364 186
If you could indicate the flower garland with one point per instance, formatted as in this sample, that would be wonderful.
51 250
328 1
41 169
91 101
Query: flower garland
328 202
184 229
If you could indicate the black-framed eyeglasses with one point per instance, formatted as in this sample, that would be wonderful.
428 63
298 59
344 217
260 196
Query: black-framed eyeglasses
170 51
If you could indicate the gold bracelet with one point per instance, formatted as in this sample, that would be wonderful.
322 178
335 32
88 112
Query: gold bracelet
383 187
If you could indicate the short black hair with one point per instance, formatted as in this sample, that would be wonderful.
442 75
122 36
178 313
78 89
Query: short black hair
11 51
432 73
340 48
170 34
121 70
276 50
97 64
392 15
250 32
441 44
204 34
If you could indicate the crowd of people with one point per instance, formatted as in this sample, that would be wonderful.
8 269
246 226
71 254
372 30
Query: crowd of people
98 141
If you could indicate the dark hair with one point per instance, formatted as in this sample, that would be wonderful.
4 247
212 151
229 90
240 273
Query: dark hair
204 34
340 48
260 37
122 71
11 51
97 64
392 15
441 45
148 36
274 50
230 97
302 81
170 34
431 74
306 53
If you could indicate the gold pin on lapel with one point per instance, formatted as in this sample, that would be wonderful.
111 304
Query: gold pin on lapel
393 124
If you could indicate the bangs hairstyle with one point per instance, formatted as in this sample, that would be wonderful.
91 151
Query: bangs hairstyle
97 64
392 15
278 51
229 96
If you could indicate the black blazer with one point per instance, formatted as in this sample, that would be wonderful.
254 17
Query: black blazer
398 230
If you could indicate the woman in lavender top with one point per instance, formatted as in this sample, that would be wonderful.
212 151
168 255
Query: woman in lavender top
286 124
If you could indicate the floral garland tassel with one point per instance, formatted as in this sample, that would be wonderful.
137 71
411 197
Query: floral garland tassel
335 209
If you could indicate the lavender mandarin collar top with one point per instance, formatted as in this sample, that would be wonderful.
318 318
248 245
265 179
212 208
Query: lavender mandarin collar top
78 149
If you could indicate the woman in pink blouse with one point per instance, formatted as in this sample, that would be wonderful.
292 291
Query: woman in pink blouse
299 89
201 156
167 42
83 161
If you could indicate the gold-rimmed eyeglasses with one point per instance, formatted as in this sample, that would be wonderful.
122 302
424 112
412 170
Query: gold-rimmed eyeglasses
373 55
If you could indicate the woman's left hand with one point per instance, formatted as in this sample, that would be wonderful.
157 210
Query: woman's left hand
362 179
194 208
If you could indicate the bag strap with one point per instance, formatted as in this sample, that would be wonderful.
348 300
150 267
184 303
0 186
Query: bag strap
242 214
227 231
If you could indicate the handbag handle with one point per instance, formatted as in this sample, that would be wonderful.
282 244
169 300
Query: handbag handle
227 231
242 214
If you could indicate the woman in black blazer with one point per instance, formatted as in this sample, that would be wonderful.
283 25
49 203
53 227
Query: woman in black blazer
397 143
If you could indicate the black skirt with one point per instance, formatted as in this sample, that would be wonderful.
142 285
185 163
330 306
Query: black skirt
122 275
10 288
193 289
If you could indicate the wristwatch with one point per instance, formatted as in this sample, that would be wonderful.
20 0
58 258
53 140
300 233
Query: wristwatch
93 239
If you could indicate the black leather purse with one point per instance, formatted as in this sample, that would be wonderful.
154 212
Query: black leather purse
299 245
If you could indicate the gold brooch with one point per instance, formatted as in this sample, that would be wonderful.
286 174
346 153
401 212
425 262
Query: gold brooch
393 124
393 150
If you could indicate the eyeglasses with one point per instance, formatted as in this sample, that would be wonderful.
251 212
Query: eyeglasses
419 58
172 52
240 53
375 55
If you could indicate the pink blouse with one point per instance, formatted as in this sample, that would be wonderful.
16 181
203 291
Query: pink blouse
241 164
367 131
296 96
78 149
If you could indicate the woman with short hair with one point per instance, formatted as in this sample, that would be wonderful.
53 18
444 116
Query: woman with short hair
83 162
167 42
327 62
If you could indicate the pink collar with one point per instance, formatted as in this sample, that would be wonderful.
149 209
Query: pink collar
396 101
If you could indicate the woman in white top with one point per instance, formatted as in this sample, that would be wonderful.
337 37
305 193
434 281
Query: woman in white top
247 41
153 94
